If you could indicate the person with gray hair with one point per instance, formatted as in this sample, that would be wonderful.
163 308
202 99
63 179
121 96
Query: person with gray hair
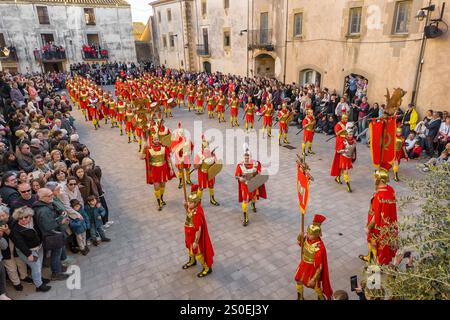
3 247
28 245
35 147
13 264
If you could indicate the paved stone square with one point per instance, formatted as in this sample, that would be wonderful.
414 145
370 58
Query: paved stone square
144 259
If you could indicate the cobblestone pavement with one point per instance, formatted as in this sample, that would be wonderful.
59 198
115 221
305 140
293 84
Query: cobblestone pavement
144 259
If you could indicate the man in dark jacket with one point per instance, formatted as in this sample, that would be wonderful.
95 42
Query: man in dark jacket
26 198
433 129
25 158
8 191
50 222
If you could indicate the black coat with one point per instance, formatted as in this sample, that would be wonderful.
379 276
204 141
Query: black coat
9 194
24 239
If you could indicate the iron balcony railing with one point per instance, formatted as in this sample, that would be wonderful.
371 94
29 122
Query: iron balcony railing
261 39
203 50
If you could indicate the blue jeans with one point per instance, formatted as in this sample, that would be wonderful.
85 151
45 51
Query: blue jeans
97 232
36 267
55 256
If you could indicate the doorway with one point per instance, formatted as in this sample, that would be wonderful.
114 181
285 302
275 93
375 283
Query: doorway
265 65
207 67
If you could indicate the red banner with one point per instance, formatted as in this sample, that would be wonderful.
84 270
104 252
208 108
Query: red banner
302 189
383 153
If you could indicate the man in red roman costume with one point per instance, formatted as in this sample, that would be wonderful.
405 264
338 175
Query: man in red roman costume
313 269
341 132
283 116
308 124
400 152
121 106
84 101
202 162
197 239
158 167
129 128
220 108
249 110
381 217
245 171
182 148
267 111
347 152
234 110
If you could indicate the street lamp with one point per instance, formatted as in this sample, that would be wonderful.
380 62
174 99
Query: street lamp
431 30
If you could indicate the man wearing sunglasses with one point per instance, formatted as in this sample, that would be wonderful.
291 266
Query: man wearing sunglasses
26 197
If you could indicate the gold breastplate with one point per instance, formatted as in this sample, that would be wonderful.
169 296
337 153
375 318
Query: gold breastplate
284 117
251 110
268 112
129 116
157 158
234 103
398 144
309 251
120 107
310 125
112 105
189 217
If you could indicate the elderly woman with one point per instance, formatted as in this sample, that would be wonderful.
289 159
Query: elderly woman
29 245
13 264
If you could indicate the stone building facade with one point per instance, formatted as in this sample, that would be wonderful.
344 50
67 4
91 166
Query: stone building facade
28 25
304 41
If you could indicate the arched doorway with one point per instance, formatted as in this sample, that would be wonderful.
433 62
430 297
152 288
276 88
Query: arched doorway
310 76
265 65
207 66
355 86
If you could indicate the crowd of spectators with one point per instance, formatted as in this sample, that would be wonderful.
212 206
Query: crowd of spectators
51 51
94 51
51 195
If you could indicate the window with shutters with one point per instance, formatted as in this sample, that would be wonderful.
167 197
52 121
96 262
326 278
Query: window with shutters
298 24
354 26
402 13
43 15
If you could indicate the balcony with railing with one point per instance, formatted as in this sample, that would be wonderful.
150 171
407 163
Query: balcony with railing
50 53
8 54
203 50
261 39
93 52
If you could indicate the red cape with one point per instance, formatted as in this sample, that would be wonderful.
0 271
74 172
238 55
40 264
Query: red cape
385 212
204 243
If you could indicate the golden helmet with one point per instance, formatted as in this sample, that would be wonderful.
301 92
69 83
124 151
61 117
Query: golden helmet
381 175
314 229
344 117
193 197
398 131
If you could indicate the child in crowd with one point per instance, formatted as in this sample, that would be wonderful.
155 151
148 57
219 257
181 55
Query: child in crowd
95 212
416 151
80 226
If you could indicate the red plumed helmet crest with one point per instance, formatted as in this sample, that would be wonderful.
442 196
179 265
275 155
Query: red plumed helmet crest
318 219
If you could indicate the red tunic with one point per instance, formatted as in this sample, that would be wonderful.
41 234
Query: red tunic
400 154
158 174
308 135
267 118
243 193
384 210
335 171
306 271
203 181
204 243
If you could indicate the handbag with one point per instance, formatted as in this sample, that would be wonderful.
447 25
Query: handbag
54 241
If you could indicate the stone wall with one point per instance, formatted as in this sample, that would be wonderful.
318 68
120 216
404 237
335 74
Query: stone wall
21 28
